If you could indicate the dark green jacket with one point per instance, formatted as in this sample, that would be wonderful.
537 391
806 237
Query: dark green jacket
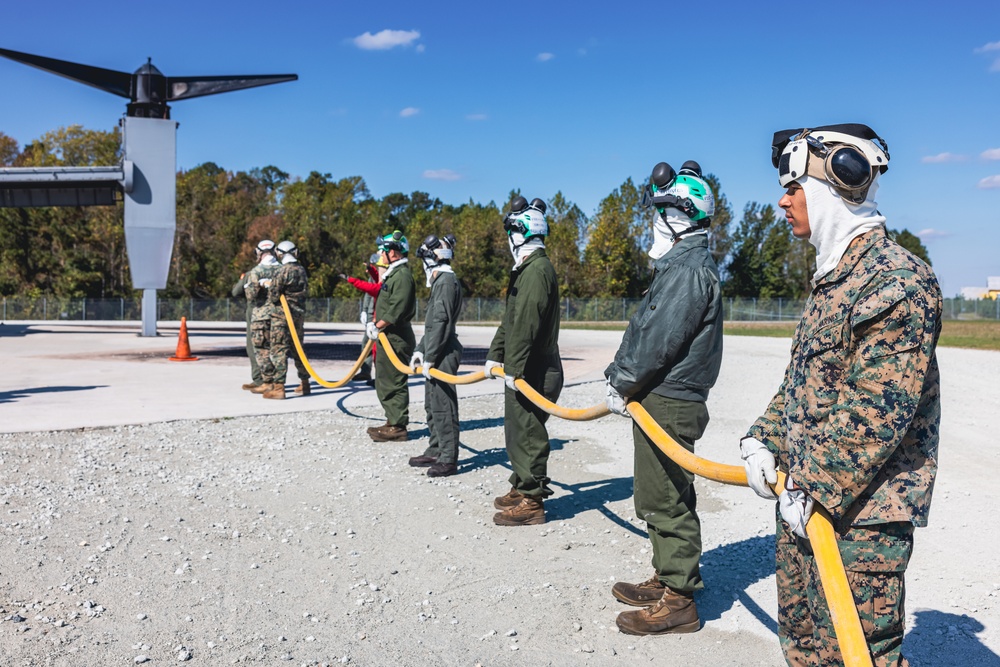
397 302
442 312
673 343
528 336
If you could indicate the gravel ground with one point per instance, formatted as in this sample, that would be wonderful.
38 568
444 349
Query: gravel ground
293 539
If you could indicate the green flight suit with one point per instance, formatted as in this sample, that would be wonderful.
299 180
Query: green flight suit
396 305
239 292
442 350
527 344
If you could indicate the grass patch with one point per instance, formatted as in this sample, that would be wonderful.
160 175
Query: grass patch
972 334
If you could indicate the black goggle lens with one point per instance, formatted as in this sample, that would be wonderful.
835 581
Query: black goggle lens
851 167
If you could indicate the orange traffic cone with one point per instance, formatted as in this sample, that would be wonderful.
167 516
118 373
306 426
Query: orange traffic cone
183 347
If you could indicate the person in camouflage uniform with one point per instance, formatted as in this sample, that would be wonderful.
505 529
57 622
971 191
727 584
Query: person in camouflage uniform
439 348
855 422
668 361
292 282
527 346
255 288
396 308
264 249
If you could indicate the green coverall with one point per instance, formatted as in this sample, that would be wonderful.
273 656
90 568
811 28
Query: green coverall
396 305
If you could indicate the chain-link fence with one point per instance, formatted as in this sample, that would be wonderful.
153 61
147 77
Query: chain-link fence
474 309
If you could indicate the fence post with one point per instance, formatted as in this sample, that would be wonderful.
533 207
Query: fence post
84 309
45 307
753 316
996 300
121 308
479 309
5 309
779 309
191 308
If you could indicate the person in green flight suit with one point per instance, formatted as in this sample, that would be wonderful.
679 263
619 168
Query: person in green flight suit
395 308
439 348
527 346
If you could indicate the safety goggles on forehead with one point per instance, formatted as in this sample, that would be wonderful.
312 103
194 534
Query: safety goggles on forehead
661 201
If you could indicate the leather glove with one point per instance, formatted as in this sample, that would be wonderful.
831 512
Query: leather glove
615 401
372 331
364 318
758 461
509 381
416 360
796 506
490 365
426 370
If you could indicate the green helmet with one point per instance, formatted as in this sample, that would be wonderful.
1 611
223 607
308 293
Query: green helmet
396 241
695 198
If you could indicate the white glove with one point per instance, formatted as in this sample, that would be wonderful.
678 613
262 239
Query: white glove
416 360
264 282
427 370
372 331
760 466
489 366
615 401
509 381
796 506
364 317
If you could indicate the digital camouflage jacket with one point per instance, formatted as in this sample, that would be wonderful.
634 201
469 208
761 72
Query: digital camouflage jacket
856 420
292 281
257 294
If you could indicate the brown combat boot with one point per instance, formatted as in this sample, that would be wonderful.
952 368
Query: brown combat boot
442 470
529 512
510 499
249 386
388 433
639 595
674 613
277 392
422 461
261 388
303 388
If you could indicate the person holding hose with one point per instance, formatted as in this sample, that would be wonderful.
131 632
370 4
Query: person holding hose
855 422
668 361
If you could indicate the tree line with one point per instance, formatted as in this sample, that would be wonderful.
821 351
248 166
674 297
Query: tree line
221 215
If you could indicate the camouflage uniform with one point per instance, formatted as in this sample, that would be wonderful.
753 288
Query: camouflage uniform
290 281
260 318
239 291
855 423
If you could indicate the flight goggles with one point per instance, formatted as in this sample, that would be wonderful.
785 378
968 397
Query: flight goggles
663 201
395 241
510 222
848 162
434 248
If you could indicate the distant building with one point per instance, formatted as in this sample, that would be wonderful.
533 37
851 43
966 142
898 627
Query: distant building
991 291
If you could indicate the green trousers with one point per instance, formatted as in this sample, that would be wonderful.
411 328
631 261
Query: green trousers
664 492
525 435
875 558
441 402
390 384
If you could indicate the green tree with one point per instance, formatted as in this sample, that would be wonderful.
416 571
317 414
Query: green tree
567 226
613 258
912 243
719 240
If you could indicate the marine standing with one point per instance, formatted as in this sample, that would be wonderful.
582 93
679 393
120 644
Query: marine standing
527 346
396 307
439 348
264 249
291 281
855 422
257 282
668 361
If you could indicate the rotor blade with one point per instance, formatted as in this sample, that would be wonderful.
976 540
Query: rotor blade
186 87
117 83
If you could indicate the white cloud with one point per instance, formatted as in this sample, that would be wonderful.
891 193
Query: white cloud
990 46
545 57
989 183
386 39
930 234
420 48
943 157
442 175
990 154
476 116
409 111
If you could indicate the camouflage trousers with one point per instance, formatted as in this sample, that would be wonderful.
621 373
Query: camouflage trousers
282 347
875 558
260 335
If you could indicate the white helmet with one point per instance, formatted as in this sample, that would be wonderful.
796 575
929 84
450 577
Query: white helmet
264 246
526 219
286 248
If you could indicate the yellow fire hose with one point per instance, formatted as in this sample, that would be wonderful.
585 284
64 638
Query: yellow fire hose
839 597
305 362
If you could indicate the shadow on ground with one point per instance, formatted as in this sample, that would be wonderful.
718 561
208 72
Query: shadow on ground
16 394
728 571
947 640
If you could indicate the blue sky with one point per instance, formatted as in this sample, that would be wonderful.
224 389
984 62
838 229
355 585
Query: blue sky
469 100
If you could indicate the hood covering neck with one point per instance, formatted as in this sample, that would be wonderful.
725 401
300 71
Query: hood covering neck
520 249
268 259
666 230
431 271
393 265
289 258
834 223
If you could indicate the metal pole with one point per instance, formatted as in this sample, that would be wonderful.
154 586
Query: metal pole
479 309
121 308
328 309
149 312
45 307
84 309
